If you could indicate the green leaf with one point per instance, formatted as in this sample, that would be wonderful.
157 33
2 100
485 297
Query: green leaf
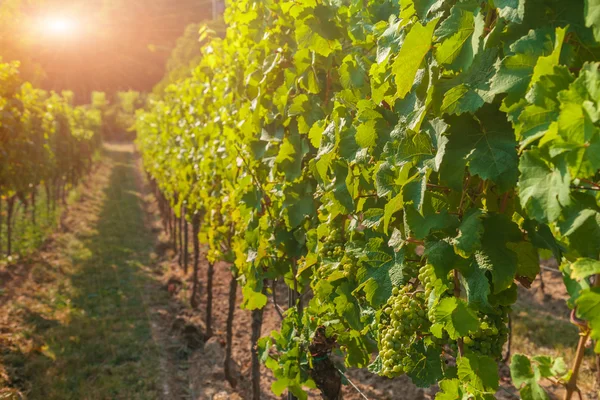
421 225
592 16
525 375
465 29
574 288
427 363
520 370
308 37
394 205
494 255
469 233
279 386
352 73
515 71
543 188
316 133
366 134
298 203
581 223
389 41
545 64
425 7
346 306
528 259
487 144
253 300
584 267
416 45
533 123
588 308
477 286
480 371
541 237
511 10
450 389
440 254
533 391
547 367
381 272
471 89
385 179
458 319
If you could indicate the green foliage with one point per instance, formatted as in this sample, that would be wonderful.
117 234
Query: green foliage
526 375
44 139
406 163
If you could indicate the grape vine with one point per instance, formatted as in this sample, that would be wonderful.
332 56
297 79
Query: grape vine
45 142
402 165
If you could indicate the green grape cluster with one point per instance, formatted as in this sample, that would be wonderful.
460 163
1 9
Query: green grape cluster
491 336
404 320
332 247
349 266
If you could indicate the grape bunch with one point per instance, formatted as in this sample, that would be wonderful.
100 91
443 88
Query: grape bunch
491 336
333 246
403 321
349 265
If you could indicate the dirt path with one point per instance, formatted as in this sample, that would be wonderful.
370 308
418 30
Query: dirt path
87 320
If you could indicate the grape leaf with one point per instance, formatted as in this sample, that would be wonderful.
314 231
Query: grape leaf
458 319
528 259
469 233
581 222
425 7
520 370
421 225
253 300
592 16
471 89
476 285
394 205
427 365
414 49
487 144
584 267
481 372
462 32
382 271
511 10
588 308
515 71
543 189
494 255
450 389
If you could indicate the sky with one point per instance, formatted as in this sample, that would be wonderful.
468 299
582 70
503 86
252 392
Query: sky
86 45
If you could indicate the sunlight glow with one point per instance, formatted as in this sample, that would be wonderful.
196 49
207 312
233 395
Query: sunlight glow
59 26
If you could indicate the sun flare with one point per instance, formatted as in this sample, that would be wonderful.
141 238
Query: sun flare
59 25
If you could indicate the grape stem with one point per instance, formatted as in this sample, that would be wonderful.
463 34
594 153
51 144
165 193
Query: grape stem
413 240
584 335
462 197
572 383
277 307
592 183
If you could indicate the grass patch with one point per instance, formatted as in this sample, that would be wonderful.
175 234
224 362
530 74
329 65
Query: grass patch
84 330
